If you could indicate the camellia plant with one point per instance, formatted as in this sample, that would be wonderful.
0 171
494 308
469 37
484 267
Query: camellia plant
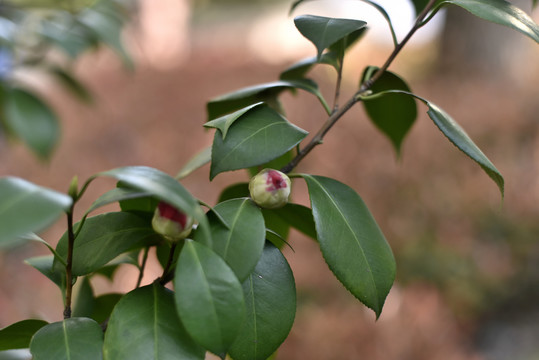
226 287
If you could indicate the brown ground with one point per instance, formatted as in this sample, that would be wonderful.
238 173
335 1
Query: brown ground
154 118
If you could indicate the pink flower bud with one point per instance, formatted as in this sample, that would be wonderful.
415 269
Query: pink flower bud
270 189
171 223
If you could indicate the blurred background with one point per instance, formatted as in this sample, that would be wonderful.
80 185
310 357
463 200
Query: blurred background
467 262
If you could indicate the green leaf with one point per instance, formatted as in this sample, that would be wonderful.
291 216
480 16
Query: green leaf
276 163
351 242
103 306
241 245
141 201
197 161
259 136
267 92
84 304
500 12
419 5
235 191
394 114
209 297
31 120
298 216
164 187
52 269
70 339
277 228
116 195
103 237
18 335
144 325
224 122
384 13
270 294
26 207
324 32
456 134
460 139
332 57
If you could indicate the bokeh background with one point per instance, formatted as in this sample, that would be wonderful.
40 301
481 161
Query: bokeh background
467 262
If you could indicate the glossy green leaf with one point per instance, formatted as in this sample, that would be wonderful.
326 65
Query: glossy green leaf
456 134
18 335
116 195
165 188
351 241
103 306
298 216
419 5
52 269
241 244
384 13
200 159
324 32
394 114
267 92
235 191
500 12
26 207
333 57
84 303
259 136
140 201
209 297
276 163
277 228
144 325
223 123
105 236
70 339
270 297
302 67
31 120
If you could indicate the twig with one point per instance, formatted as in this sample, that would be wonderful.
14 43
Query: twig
165 278
142 267
69 263
336 115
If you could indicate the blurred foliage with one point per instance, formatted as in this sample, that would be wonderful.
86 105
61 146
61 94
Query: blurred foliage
47 37
498 273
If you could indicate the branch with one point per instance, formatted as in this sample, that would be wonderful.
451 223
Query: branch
336 115
69 263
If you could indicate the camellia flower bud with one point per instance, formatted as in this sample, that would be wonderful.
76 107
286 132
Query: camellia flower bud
270 189
171 223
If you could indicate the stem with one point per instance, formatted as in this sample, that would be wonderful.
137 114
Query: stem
338 86
69 263
164 278
142 267
338 113
317 139
418 24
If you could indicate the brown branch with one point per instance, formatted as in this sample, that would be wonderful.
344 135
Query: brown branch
69 263
336 115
